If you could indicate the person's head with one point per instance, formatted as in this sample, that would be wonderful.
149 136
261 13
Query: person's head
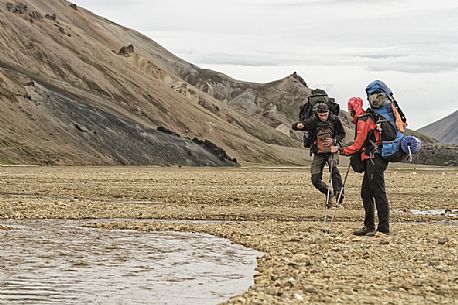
377 100
355 106
322 111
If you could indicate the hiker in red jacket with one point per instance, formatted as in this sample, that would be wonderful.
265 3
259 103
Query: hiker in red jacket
367 143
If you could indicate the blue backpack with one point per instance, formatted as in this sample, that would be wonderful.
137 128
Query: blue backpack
389 121
378 86
391 137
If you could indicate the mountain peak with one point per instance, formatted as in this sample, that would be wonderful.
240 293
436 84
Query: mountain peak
445 129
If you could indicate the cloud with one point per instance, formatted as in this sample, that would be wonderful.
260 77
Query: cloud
249 60
104 3
371 62
378 60
414 67
378 56
306 3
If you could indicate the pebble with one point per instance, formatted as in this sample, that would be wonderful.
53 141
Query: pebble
310 289
300 264
442 240
298 296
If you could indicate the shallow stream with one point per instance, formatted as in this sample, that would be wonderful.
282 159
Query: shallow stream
60 262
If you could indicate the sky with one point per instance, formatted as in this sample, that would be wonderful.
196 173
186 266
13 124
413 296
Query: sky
337 45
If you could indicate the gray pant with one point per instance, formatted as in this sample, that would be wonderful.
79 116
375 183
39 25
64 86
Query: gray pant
318 163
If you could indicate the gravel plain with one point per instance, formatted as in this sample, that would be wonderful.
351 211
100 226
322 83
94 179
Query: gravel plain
276 211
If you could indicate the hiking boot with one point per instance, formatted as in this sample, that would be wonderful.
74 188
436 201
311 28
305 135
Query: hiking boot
384 231
371 233
364 231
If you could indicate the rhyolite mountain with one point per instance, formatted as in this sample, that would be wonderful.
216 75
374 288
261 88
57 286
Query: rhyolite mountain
76 88
444 130
445 153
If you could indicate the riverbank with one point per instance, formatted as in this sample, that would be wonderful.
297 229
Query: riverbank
276 211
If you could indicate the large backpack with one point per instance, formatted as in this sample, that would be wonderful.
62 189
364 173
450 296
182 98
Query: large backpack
391 123
306 111
378 86
390 136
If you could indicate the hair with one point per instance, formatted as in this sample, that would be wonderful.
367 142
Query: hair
321 108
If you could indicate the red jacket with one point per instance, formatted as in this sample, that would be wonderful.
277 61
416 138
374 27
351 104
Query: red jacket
364 124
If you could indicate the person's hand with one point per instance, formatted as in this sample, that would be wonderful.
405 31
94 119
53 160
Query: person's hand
334 149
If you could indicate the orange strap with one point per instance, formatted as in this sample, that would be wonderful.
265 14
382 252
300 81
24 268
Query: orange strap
401 126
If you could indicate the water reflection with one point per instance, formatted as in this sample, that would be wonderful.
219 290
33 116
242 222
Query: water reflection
59 262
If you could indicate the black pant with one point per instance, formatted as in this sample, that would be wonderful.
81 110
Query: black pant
318 163
373 189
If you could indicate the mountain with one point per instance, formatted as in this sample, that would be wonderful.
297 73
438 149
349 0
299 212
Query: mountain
76 88
445 129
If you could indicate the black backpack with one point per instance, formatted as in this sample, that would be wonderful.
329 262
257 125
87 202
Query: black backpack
306 111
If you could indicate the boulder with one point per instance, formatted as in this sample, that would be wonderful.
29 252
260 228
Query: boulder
35 15
167 131
215 150
19 8
51 17
126 50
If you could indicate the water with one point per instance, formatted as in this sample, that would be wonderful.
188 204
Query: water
445 212
60 262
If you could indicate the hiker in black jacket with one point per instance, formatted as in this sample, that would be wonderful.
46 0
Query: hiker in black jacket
327 131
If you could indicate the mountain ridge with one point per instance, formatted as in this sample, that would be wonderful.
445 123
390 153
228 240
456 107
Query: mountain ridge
129 89
76 52
444 130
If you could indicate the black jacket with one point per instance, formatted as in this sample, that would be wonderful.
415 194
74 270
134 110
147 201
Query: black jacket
313 123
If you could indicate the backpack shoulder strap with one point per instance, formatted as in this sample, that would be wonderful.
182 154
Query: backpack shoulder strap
362 117
371 113
370 147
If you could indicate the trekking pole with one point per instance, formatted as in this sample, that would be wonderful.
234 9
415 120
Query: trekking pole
343 186
328 195
328 230
330 163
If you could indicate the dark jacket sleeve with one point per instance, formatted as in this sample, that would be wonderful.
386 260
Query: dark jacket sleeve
309 124
339 133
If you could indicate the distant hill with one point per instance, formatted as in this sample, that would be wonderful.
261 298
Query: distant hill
445 130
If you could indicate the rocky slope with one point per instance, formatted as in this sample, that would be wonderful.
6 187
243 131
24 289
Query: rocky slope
76 88
445 129
437 154
82 63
